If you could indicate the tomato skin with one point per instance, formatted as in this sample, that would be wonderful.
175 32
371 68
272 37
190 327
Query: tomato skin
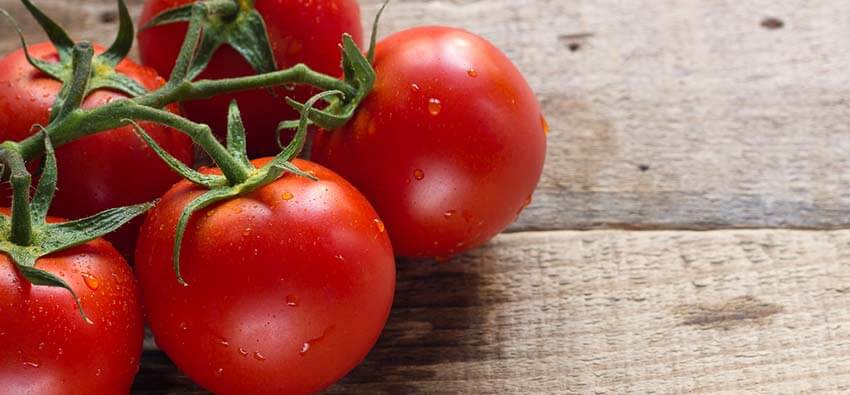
48 348
106 170
299 31
295 262
448 147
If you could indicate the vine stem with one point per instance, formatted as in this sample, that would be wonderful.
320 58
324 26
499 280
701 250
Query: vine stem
80 123
21 180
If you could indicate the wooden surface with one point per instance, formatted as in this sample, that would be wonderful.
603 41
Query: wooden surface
667 116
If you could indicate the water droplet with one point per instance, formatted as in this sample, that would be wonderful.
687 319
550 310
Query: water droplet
544 124
98 372
287 196
184 326
340 258
289 87
419 174
304 348
89 321
291 300
434 106
224 343
246 232
91 281
380 225
449 214
32 364
219 371
259 356
472 72
243 352
414 87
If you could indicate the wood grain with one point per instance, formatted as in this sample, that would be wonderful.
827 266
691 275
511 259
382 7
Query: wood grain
665 114
618 312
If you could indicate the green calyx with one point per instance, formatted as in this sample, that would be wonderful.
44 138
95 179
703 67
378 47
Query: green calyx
25 235
231 22
359 75
240 176
103 73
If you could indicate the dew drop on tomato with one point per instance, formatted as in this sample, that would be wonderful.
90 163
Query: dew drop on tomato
435 106
380 225
304 348
414 87
449 214
291 300
243 352
419 174
91 281
259 356
544 124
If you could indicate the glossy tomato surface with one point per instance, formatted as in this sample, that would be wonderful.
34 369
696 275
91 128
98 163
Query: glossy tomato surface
46 346
288 286
299 31
110 169
449 146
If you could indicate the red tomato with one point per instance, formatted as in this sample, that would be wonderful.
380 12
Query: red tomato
449 146
47 346
288 286
299 32
98 172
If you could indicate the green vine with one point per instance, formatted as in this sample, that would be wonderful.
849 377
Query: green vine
25 236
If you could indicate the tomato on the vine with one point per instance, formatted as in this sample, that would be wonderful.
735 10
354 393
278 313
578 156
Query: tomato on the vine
101 171
47 346
288 286
448 147
299 31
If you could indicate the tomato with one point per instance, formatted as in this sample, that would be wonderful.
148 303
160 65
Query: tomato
299 32
449 146
47 346
288 286
106 170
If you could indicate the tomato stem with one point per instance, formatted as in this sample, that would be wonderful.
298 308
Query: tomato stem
21 180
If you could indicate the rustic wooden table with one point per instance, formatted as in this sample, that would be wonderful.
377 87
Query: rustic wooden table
686 235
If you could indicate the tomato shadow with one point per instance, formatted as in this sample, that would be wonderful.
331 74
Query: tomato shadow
440 316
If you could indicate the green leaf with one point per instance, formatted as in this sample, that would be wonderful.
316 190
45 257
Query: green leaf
281 162
374 39
116 81
46 184
179 167
210 43
123 41
177 14
236 136
60 236
203 201
54 70
250 38
44 278
55 33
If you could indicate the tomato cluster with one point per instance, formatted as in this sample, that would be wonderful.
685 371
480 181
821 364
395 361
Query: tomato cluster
255 284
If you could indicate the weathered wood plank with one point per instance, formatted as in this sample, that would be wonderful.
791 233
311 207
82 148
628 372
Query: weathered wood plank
620 312
664 114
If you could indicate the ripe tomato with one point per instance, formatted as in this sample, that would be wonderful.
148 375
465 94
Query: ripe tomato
47 346
449 146
98 172
299 31
288 286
